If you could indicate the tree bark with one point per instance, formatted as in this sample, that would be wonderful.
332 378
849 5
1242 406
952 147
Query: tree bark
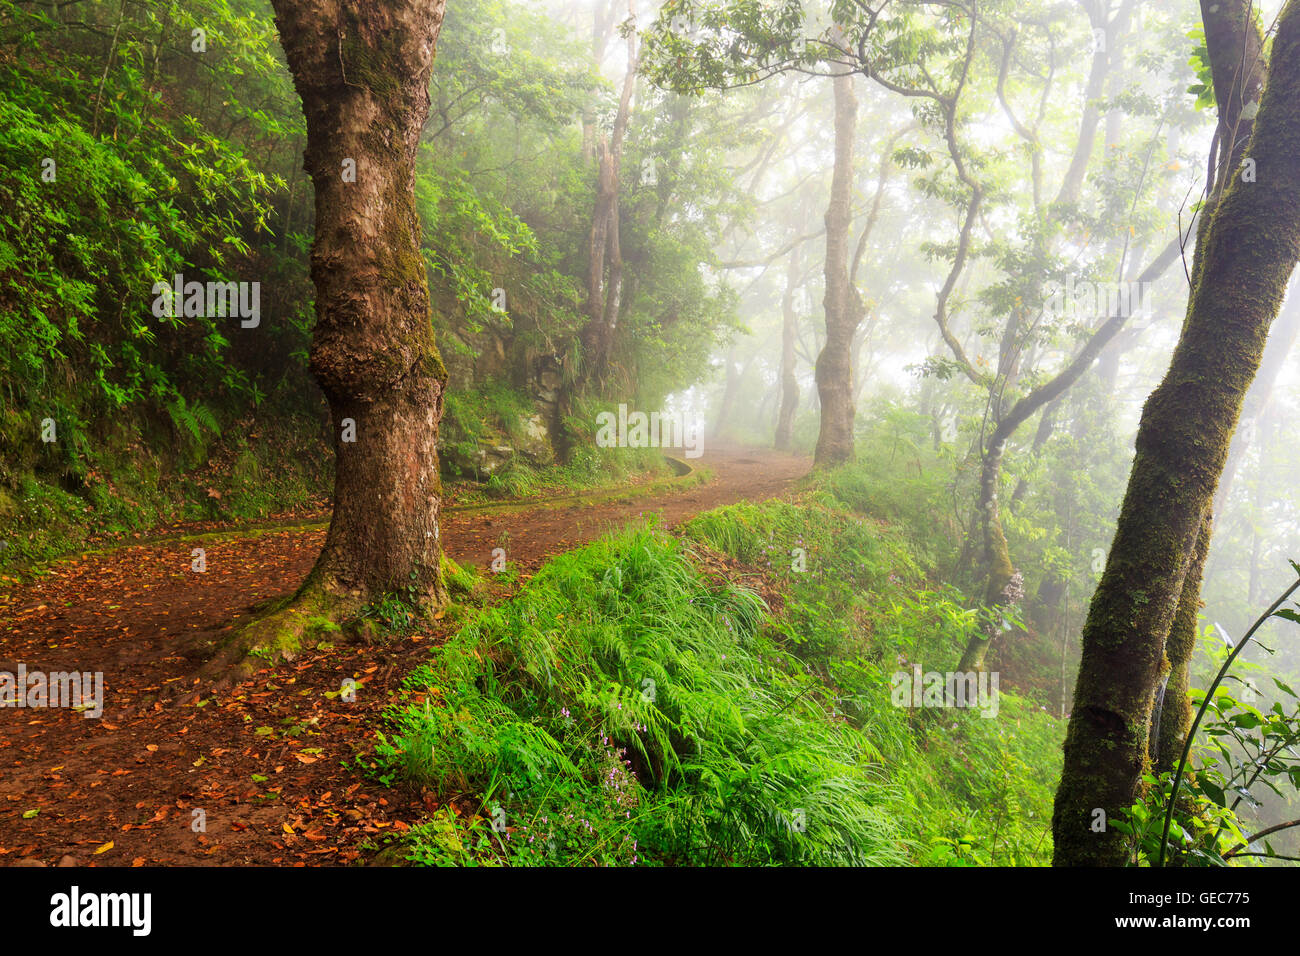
730 385
1175 715
597 333
1280 342
362 72
1004 587
834 369
1235 47
1248 250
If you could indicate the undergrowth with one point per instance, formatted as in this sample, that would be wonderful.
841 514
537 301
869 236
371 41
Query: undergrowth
622 709
635 703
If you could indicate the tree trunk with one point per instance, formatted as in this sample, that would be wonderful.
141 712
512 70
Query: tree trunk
1175 714
605 262
605 258
363 75
597 333
731 383
1248 248
1005 587
735 385
1280 342
1235 48
834 369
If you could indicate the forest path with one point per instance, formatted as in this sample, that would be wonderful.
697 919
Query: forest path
263 773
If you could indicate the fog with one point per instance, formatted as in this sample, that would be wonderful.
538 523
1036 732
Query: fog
650 432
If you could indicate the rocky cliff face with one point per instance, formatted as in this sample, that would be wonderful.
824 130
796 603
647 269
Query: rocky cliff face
492 435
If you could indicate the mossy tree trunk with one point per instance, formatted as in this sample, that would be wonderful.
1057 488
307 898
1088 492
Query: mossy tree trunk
834 368
1004 587
1235 47
1286 329
1248 248
1175 717
362 72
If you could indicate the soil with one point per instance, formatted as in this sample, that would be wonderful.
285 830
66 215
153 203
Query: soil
271 771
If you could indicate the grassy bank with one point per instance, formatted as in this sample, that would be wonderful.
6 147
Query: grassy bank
719 696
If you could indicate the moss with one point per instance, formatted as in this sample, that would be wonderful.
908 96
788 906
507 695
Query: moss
1250 248
280 631
366 65
460 580
1000 567
402 263
1176 715
433 365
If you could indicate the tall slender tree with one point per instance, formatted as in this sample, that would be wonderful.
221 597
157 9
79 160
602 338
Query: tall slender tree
834 371
779 39
605 259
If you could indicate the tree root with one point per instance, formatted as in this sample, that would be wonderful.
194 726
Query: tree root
276 632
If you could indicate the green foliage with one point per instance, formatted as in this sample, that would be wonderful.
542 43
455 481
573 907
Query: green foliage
475 418
621 709
130 488
505 195
624 709
904 475
80 253
130 159
169 160
1241 752
1203 88
972 790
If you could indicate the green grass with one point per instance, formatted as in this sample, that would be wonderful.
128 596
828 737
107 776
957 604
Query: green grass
625 707
622 710
974 790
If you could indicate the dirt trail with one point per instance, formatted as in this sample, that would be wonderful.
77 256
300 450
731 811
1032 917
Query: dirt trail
265 772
